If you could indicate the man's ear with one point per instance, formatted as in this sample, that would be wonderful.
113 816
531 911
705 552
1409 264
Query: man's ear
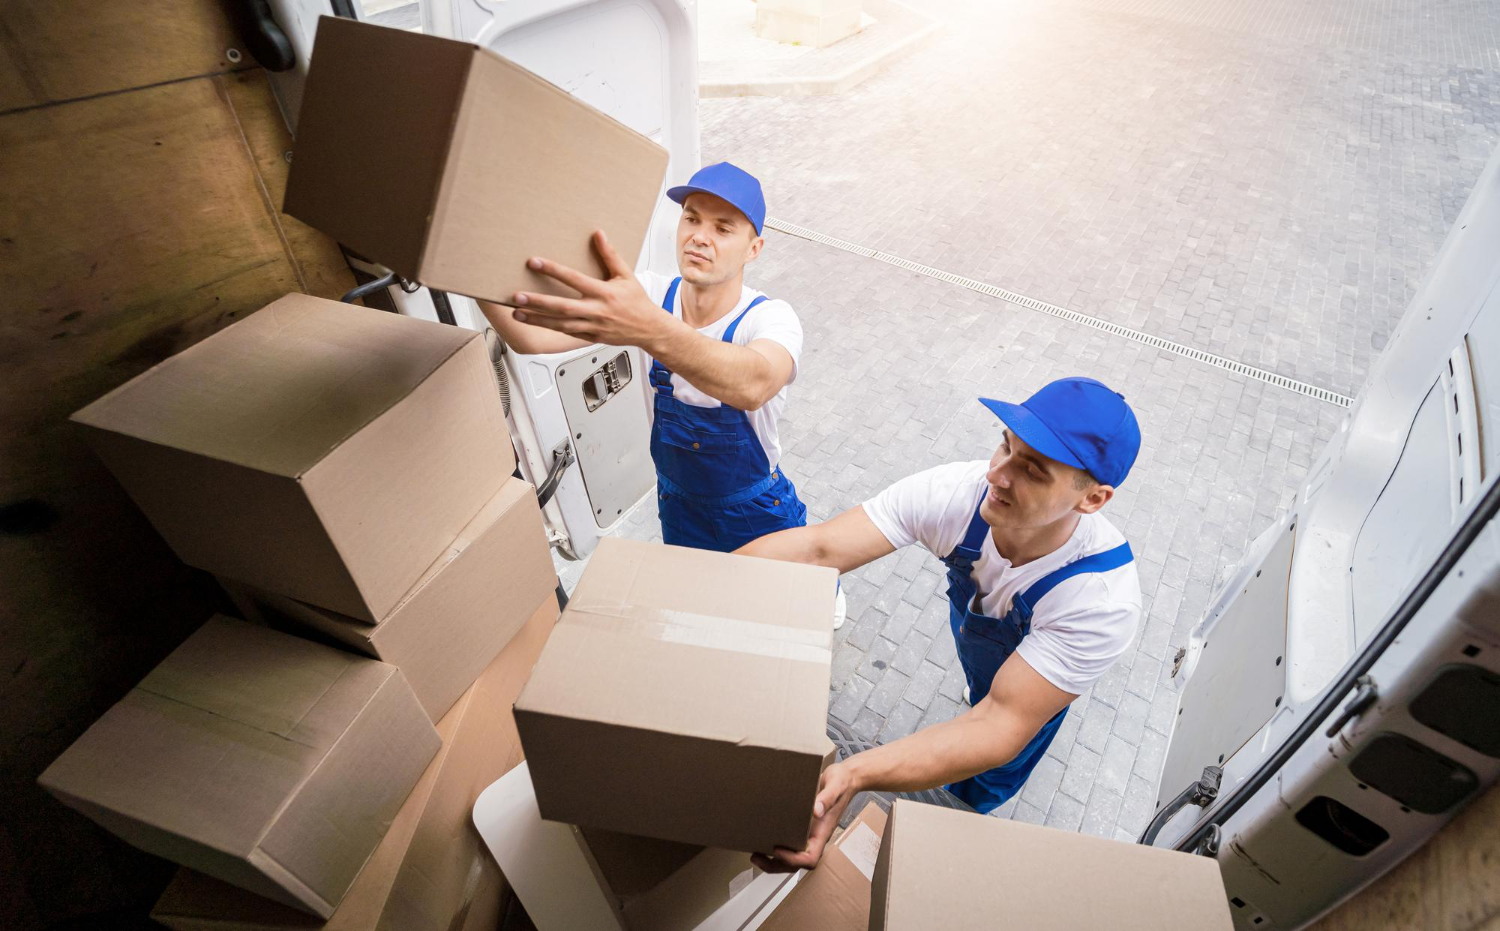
1097 497
755 246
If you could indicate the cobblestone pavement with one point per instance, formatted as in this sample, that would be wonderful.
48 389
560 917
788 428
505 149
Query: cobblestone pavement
1269 182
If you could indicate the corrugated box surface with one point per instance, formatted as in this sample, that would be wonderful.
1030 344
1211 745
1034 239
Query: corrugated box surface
940 868
657 885
703 679
286 450
268 761
836 895
492 164
431 870
462 611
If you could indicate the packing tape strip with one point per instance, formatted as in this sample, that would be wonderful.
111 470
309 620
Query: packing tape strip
710 631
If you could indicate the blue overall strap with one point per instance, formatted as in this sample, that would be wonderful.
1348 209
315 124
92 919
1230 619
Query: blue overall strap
729 333
661 377
967 550
1026 601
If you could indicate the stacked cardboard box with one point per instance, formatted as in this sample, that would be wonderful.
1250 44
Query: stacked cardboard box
702 678
349 471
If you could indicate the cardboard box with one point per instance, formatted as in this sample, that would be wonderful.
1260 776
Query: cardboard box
836 895
560 877
703 679
461 612
431 870
941 868
270 762
657 885
316 449
491 165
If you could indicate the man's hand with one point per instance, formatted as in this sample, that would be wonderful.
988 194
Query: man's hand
614 310
836 789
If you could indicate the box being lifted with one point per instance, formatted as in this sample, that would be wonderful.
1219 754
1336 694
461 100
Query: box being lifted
452 165
684 696
327 452
265 760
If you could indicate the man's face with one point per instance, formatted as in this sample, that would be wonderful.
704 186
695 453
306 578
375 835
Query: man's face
714 240
1028 490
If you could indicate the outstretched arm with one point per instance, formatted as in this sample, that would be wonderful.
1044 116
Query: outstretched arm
617 311
990 734
845 542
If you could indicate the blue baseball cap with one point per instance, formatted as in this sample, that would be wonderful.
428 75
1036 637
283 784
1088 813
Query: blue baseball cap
730 182
1079 422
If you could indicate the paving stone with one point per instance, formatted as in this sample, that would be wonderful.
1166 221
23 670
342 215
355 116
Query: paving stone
846 659
1081 773
1043 782
851 699
866 725
910 655
953 682
1098 719
1029 813
902 720
888 692
939 711
901 621
1102 812
878 659
1115 765
1066 813
924 684
1130 718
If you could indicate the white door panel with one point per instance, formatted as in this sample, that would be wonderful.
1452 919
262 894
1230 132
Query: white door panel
635 60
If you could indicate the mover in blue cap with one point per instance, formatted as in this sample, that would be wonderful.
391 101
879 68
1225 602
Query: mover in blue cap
1042 594
721 356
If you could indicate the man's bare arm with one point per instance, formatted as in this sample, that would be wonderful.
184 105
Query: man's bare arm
845 542
616 311
988 735
525 338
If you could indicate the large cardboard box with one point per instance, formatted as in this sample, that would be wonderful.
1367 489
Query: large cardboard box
836 895
268 761
941 868
320 450
567 882
463 609
657 885
431 870
491 164
702 678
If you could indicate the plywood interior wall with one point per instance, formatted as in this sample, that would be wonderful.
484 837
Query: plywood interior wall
1451 884
143 170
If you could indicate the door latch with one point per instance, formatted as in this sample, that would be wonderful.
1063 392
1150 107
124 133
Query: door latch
1201 793
607 381
1365 694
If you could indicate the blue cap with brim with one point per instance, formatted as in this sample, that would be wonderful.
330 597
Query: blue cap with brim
730 182
1079 422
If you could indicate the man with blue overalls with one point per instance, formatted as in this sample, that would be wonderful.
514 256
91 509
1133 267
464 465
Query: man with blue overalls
1042 593
721 358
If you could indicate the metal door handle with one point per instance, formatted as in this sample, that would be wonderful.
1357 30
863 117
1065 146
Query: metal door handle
1365 693
1201 793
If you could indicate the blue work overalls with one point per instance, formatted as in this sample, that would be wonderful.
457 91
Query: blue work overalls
715 489
984 643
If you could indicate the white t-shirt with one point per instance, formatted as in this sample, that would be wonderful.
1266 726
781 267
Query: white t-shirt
1079 629
771 319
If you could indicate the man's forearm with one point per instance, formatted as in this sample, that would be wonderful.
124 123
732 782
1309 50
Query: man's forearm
971 743
734 375
799 544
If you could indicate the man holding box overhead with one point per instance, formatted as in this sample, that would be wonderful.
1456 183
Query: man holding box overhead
1042 594
721 358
